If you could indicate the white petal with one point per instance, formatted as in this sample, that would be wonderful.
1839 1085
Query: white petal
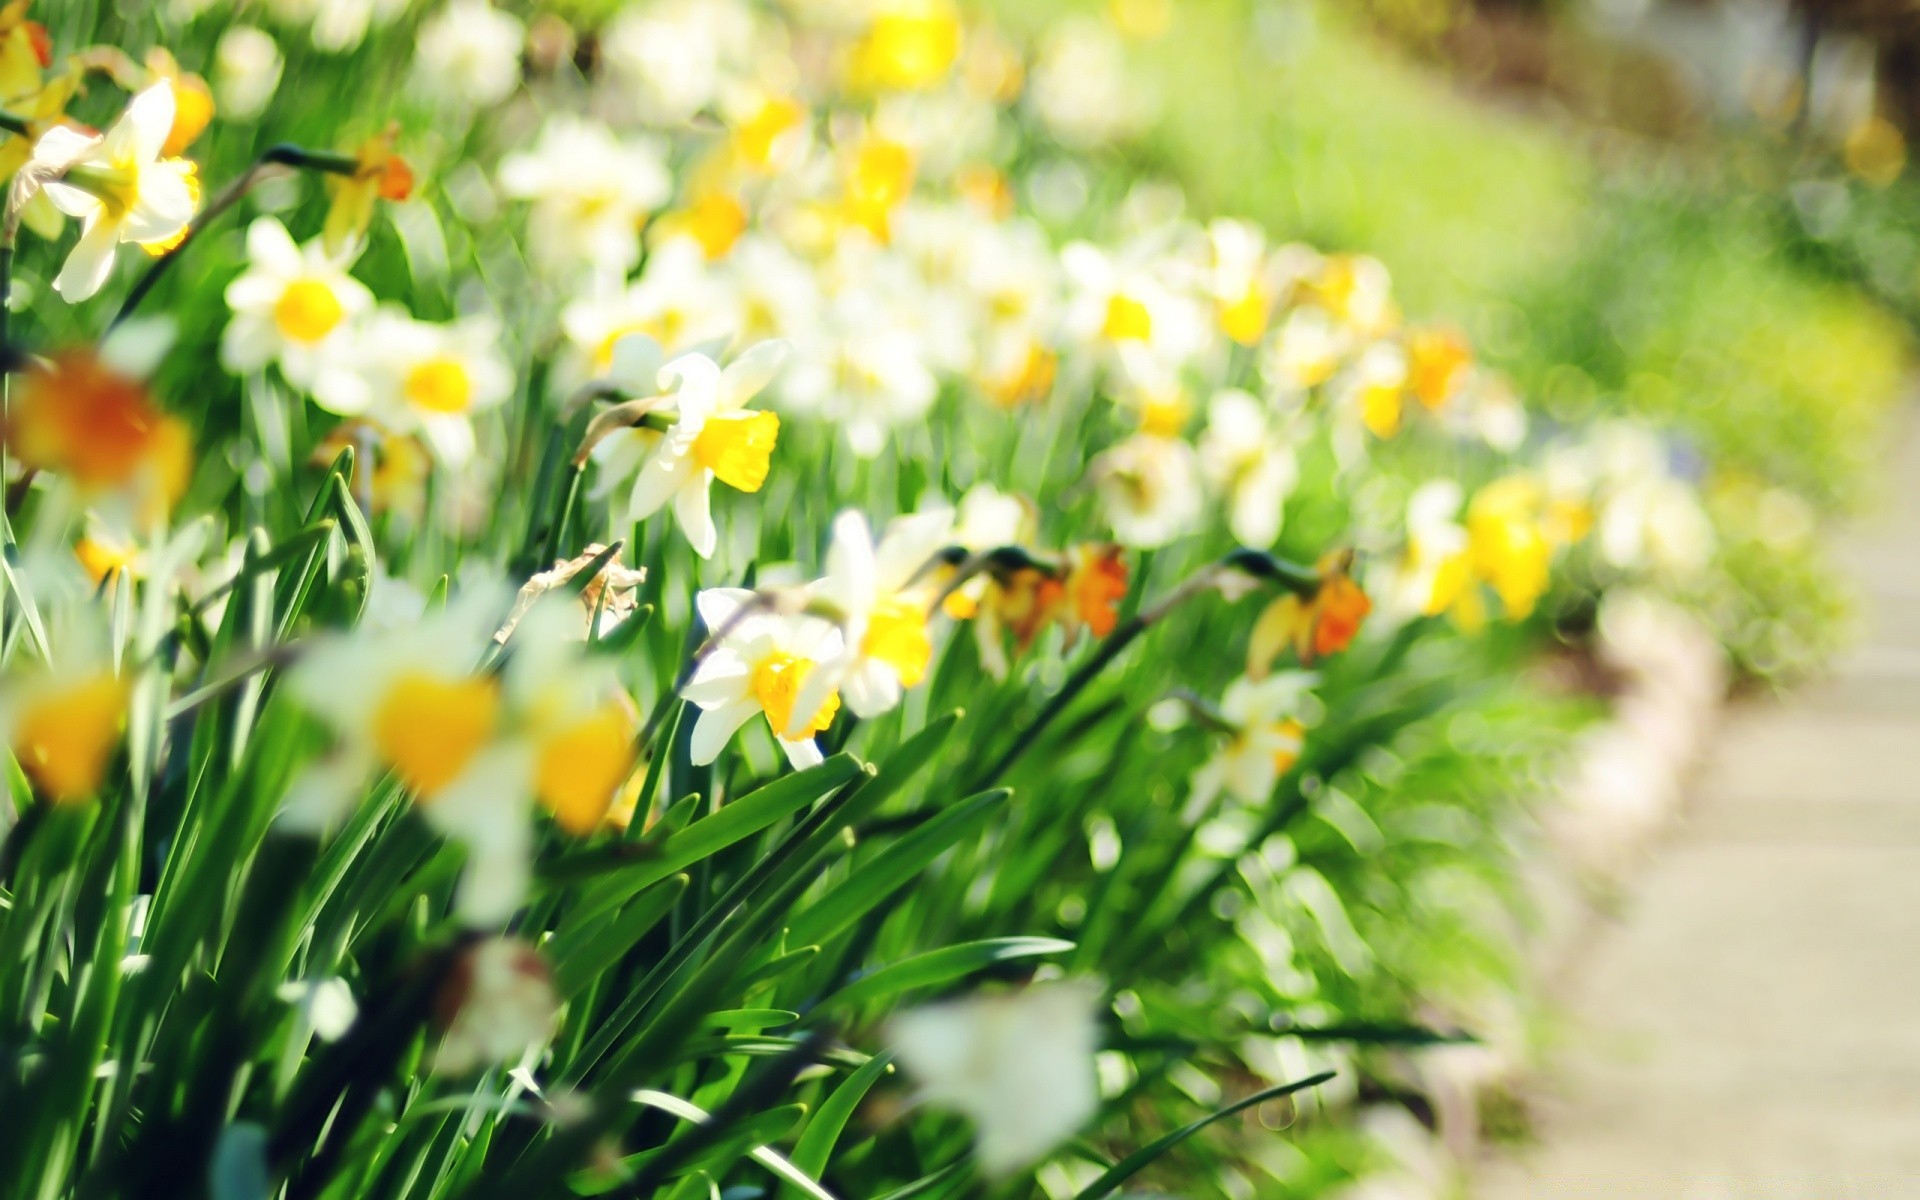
71 200
660 478
272 249
717 606
149 117
802 753
692 508
451 436
716 728
89 263
753 370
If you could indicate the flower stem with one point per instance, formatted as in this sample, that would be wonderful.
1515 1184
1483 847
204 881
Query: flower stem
283 155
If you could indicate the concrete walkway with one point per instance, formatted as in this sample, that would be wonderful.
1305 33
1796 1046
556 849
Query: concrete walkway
1750 1025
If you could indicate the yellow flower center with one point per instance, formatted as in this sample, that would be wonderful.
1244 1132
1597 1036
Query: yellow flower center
738 447
1380 409
66 735
897 636
1127 320
307 311
580 768
429 729
776 683
756 136
440 385
1245 319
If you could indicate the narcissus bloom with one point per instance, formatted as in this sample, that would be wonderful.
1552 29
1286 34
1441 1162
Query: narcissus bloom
1018 1064
120 186
1080 592
1264 738
80 416
591 192
1314 626
292 305
1436 575
710 434
1240 280
473 748
760 664
469 53
418 375
1149 487
1250 464
1438 362
1509 543
496 1002
881 595
379 173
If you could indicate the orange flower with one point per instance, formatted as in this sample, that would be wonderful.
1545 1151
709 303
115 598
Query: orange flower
379 174
83 420
1095 584
1312 626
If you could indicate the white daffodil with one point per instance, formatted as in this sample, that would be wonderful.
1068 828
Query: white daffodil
712 435
1305 351
760 665
469 53
591 192
868 376
1251 465
1264 738
676 56
475 749
246 71
1019 1065
1239 279
497 1001
882 594
1149 487
1124 305
119 186
292 305
676 301
418 375
1436 574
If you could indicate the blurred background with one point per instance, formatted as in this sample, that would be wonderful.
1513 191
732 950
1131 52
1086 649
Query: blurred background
1701 212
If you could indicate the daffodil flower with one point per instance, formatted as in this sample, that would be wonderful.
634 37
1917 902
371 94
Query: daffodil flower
1265 736
881 595
419 375
760 665
1018 1064
1312 626
1247 459
591 192
712 435
1436 574
120 187
1149 486
472 748
292 305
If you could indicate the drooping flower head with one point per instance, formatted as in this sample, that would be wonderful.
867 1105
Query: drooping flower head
120 185
95 424
1312 626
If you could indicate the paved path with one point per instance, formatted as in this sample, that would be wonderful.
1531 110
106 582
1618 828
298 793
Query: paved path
1750 1025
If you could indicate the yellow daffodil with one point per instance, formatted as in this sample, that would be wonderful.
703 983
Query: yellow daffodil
1509 543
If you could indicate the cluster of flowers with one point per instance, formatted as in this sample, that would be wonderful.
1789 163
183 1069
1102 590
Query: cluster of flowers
812 216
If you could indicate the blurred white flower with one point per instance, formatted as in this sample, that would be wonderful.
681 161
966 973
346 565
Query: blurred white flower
496 1002
1264 739
759 665
246 71
469 53
1149 488
120 187
677 301
418 375
1081 86
1018 1064
1250 463
677 55
591 193
292 305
